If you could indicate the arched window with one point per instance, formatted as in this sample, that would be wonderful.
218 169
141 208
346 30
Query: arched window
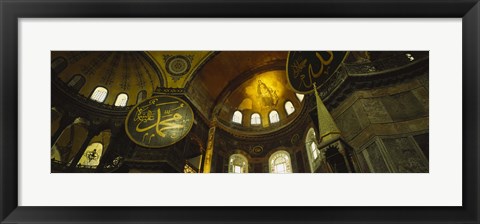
76 82
274 117
238 164
141 96
237 117
280 162
122 99
255 119
300 96
97 147
312 148
99 94
289 107
91 156
410 57
59 64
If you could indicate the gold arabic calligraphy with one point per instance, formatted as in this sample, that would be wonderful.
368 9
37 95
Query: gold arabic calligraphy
167 121
301 63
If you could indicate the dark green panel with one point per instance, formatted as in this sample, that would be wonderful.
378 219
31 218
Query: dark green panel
423 141
363 164
403 106
376 159
348 123
405 157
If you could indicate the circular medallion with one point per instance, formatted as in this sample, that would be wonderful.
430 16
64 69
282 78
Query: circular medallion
178 65
159 121
307 67
295 139
257 149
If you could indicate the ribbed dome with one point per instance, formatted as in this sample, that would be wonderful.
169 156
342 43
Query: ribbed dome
119 72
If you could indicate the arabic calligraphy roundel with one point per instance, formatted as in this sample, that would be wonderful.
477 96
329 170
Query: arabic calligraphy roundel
159 121
307 67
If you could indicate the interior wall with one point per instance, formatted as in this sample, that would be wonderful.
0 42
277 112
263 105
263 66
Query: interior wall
388 126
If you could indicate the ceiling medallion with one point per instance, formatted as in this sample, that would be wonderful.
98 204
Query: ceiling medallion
295 139
257 149
178 65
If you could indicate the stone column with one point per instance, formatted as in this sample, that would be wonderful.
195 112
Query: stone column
65 121
207 164
113 145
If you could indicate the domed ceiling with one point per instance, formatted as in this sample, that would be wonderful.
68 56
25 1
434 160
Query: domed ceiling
213 82
177 67
246 81
217 83
117 71
263 94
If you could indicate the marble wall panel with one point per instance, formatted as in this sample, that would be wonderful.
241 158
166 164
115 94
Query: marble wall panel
406 158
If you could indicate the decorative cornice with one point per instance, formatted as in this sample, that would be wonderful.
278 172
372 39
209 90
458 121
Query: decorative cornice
376 73
284 132
84 104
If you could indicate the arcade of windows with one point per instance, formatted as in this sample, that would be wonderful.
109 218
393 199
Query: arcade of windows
65 148
280 161
274 117
100 93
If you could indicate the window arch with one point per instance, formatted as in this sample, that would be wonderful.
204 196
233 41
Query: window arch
280 162
237 117
238 164
311 146
121 100
99 94
289 108
76 82
300 96
141 96
274 117
255 119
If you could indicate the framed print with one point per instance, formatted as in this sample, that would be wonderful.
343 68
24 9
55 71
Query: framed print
247 112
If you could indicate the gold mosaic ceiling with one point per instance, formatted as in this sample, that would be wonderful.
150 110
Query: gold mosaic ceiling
216 82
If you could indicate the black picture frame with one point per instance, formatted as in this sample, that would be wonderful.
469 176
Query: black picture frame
11 11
